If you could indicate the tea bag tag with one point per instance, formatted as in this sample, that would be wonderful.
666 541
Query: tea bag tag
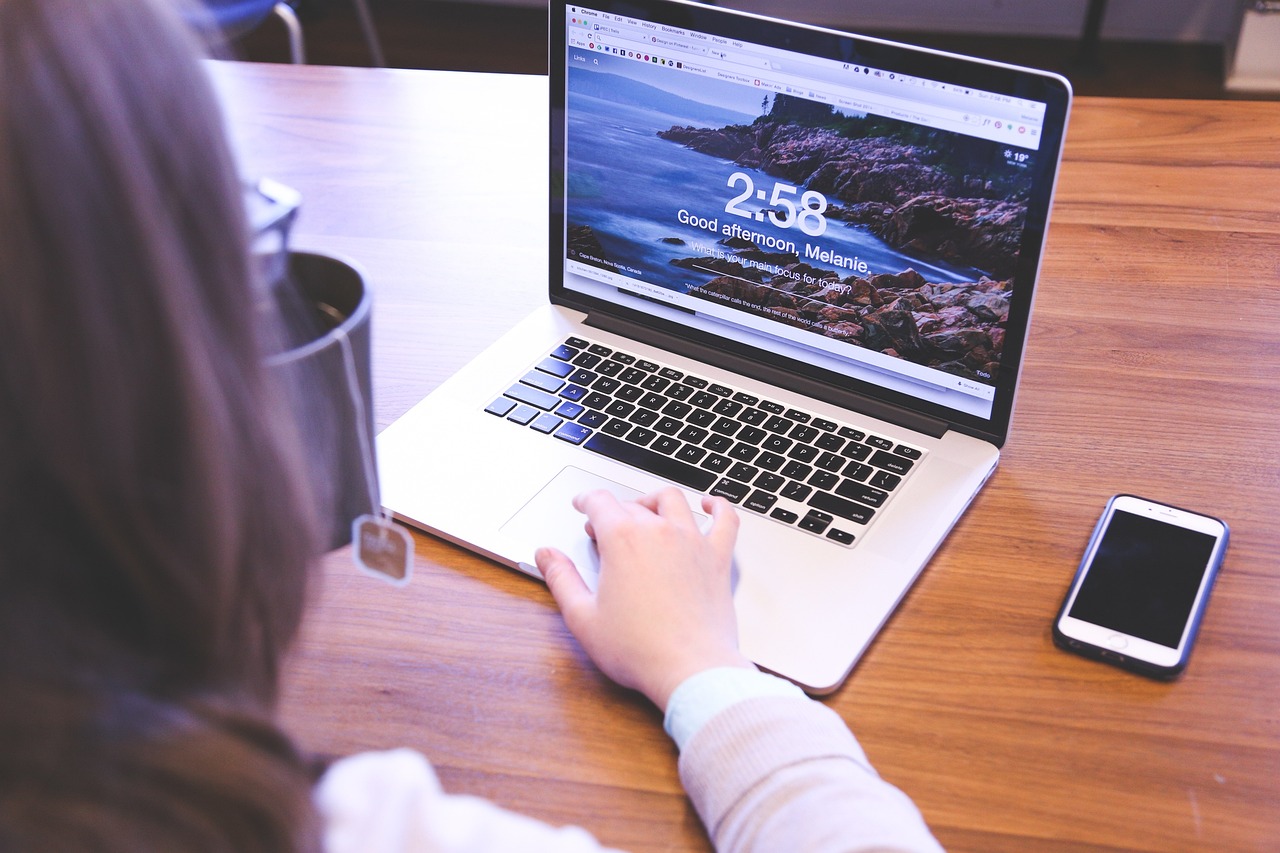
382 549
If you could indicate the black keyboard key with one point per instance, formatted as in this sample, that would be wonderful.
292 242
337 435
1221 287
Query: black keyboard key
643 417
718 443
625 358
630 393
796 491
577 343
824 424
777 444
593 419
691 453
830 462
751 435
693 434
803 433
646 365
844 537
744 452
891 462
701 417
797 471
696 382
797 415
676 409
803 452
641 436
679 391
746 399
742 472
769 482
857 471
533 397
731 491
703 400
877 441
665 444
573 433
852 434
857 452
824 480
586 359
770 461
755 417
728 408
772 407
829 441
885 480
617 427
779 425
569 411
815 522
609 367
632 375
848 510
909 452
760 502
573 392
564 352
599 349
653 401
786 516
719 390
596 400
671 373
619 409
717 463
726 426
862 493
667 426
655 383
606 385
581 376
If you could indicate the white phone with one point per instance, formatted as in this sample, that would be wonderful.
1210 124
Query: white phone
1141 589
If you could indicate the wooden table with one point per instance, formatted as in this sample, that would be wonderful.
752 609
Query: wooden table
1153 367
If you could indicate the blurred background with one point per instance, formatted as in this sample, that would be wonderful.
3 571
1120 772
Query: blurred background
1138 48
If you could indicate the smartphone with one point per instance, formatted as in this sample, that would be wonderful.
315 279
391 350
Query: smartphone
1141 589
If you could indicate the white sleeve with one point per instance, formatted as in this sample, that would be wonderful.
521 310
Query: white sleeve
392 802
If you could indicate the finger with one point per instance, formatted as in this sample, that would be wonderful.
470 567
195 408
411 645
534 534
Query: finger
670 503
601 508
724 522
567 587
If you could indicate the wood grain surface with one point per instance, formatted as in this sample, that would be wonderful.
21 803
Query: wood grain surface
1153 368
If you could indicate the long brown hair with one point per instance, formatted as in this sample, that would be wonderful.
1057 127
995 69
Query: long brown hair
154 525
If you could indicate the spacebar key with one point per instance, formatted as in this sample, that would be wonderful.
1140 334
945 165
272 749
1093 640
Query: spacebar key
648 460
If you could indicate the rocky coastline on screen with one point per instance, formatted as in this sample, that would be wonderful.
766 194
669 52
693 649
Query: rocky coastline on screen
956 328
882 184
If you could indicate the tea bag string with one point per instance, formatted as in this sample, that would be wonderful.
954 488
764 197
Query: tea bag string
362 426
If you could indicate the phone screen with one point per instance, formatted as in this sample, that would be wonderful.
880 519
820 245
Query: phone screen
1144 578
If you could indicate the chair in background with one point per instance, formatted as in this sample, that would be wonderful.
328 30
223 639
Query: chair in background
236 18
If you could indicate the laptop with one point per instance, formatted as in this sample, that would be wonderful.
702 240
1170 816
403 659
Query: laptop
789 266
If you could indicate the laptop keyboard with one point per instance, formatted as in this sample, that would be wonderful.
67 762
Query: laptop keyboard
826 478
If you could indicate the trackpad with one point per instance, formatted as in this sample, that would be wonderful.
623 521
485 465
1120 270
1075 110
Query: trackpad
550 519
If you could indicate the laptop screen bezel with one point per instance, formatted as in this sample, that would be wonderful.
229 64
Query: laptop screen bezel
1050 89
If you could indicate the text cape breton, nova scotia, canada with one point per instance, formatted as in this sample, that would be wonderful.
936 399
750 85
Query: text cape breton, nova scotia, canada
732 230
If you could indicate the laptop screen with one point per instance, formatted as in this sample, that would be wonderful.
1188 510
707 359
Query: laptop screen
864 213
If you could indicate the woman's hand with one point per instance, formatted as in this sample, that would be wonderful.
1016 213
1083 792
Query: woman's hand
663 608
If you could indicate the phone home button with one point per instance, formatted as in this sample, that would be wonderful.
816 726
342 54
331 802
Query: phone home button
1118 641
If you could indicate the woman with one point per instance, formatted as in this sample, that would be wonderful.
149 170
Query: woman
157 524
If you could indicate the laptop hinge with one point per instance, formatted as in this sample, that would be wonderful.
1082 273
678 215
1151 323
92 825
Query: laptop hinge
844 398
